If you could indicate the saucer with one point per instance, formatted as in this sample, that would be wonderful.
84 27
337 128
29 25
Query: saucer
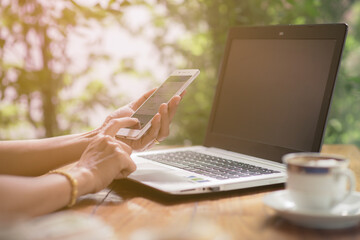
344 215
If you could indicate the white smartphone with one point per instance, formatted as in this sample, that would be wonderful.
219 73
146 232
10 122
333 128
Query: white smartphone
176 83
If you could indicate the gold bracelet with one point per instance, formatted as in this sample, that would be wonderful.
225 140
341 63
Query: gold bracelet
73 183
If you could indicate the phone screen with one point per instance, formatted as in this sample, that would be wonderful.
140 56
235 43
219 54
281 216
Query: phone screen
162 95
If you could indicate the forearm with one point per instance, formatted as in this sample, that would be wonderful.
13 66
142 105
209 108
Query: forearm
36 157
32 196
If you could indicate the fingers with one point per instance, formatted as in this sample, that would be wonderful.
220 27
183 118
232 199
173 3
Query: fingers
137 103
124 111
115 124
183 94
118 145
128 169
122 152
151 134
103 141
117 156
165 122
159 125
173 105
129 109
105 159
167 112
127 166
124 146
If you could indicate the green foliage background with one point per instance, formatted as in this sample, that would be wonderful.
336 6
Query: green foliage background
205 24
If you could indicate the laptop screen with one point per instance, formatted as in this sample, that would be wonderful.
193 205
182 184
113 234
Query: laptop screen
273 94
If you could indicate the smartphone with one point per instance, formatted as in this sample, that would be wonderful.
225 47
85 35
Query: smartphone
176 83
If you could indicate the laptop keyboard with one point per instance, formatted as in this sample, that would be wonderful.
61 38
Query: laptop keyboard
207 165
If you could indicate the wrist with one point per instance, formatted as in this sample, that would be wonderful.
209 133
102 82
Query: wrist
73 183
87 137
84 178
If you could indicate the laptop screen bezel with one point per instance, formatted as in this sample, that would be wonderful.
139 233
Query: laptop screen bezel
336 32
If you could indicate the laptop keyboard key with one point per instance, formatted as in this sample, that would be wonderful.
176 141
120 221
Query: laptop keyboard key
207 165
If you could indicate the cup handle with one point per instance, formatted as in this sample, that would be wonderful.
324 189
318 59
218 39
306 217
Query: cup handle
352 183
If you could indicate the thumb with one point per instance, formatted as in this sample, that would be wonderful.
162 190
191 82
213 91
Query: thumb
115 124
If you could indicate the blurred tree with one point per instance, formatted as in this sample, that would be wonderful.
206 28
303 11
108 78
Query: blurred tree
206 24
188 34
34 60
344 119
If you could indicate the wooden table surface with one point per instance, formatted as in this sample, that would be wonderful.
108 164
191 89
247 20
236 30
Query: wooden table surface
135 211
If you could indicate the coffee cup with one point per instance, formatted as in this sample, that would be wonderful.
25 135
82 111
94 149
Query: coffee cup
318 181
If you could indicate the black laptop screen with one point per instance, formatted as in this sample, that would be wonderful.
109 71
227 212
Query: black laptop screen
275 88
272 91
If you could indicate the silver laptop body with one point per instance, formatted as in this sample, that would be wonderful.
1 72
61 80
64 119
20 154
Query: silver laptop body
273 96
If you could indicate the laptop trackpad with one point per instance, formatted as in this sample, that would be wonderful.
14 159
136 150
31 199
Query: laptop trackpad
148 172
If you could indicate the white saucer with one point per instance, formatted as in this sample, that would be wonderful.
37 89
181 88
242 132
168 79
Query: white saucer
344 215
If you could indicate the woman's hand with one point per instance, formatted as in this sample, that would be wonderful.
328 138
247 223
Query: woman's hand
159 129
106 158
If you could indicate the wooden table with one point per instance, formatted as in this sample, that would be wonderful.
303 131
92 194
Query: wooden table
132 209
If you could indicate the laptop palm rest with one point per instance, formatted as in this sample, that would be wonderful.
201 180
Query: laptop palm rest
147 172
165 179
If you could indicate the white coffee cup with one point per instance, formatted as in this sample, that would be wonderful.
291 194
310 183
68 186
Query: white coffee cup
318 181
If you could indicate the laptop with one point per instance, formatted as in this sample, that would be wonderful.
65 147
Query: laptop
273 97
